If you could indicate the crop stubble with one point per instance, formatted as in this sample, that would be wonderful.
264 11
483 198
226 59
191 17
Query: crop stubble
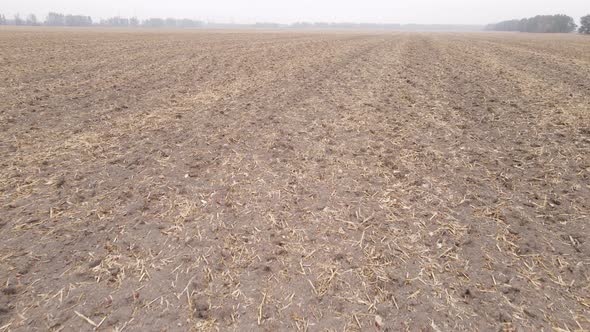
302 181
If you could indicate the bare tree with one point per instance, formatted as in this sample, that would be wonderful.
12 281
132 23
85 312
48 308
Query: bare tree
18 20
32 20
55 19
585 25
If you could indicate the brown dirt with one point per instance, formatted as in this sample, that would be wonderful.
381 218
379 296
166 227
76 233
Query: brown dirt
286 181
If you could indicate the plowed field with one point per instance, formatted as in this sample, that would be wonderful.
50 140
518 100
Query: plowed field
176 181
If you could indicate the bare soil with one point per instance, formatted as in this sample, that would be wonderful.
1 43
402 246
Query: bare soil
265 181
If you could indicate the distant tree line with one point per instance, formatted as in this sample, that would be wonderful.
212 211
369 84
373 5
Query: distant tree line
541 23
171 23
18 20
120 22
58 19
344 25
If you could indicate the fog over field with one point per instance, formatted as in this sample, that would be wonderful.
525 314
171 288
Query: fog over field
289 11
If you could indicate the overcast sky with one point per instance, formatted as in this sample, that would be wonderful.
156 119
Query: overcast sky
288 11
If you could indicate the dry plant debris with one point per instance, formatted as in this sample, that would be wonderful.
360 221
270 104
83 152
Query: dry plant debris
272 181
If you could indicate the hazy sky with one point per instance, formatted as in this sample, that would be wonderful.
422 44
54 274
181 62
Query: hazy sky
288 11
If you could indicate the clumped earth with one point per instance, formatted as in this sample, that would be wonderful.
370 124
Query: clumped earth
174 181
